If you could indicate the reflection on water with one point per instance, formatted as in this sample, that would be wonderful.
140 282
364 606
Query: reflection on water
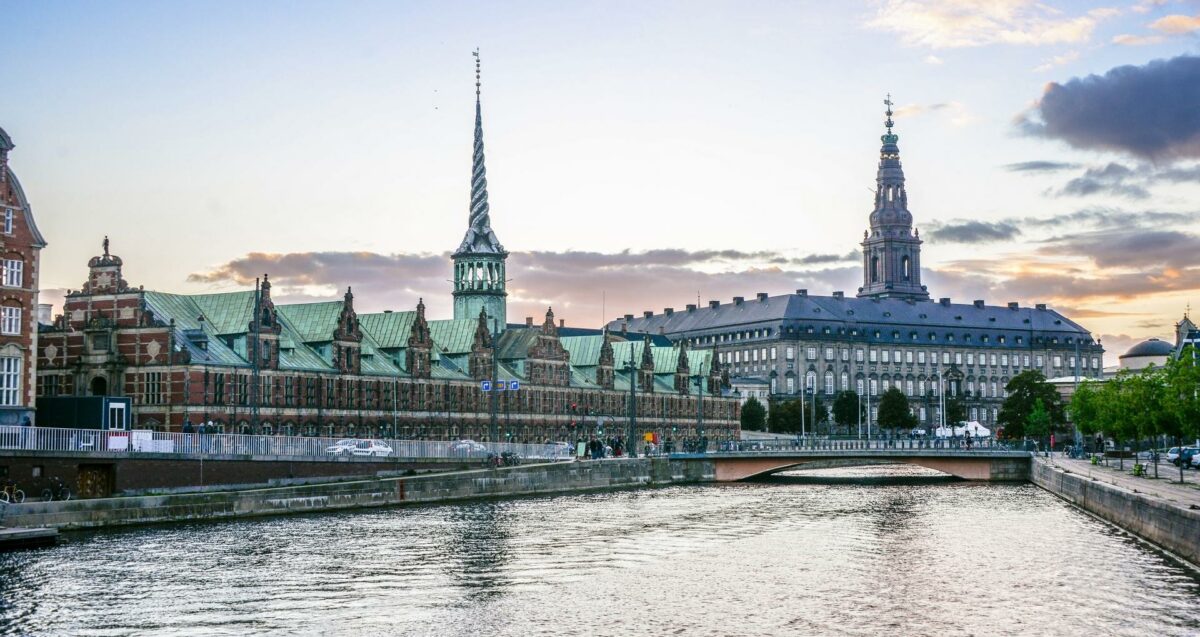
814 553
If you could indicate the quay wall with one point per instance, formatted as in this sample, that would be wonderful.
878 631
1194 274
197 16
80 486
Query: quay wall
356 494
1171 527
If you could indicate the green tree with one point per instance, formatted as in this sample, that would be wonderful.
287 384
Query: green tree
1024 390
956 411
1181 398
894 412
1037 424
1086 409
784 416
847 410
754 415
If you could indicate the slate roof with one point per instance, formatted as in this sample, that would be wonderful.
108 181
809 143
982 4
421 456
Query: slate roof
802 310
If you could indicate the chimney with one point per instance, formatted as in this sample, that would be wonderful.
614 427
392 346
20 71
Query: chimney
762 297
628 317
802 292
43 313
529 320
737 300
387 311
562 323
979 303
1040 306
1012 305
691 307
714 304
668 311
647 314
839 295
945 300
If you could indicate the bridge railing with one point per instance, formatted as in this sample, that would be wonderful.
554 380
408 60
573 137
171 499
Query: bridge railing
199 445
834 444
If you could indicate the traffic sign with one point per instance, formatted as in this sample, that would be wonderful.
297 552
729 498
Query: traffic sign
501 385
485 385
513 385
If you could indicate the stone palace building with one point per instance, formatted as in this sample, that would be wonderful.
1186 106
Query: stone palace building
245 363
890 334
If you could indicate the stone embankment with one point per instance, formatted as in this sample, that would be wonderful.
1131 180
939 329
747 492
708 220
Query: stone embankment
356 494
1172 525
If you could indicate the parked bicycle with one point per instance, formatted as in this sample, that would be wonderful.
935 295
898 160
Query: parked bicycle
57 490
10 493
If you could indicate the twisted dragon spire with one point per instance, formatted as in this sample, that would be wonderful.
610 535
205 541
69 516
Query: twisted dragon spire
479 237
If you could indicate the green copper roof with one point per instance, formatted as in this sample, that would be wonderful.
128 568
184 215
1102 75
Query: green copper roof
389 329
314 322
227 312
453 336
585 350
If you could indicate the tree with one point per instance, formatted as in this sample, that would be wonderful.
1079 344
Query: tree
754 415
894 412
956 411
1038 422
1181 397
847 409
1024 390
1086 410
784 416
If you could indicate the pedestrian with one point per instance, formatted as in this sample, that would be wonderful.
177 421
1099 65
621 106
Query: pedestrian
27 431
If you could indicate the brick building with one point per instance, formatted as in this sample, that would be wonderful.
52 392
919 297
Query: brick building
20 248
248 364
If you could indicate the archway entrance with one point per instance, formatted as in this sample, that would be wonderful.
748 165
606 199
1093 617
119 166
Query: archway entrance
99 386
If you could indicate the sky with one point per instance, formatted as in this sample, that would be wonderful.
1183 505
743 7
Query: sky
640 155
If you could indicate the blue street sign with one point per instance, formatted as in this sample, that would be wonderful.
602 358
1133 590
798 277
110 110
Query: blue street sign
500 385
513 385
485 385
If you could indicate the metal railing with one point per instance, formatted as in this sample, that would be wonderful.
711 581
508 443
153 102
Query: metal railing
835 444
204 444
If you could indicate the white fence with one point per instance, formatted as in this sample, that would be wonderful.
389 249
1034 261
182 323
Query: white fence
197 445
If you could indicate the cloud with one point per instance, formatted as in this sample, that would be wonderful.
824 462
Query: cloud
933 59
1113 179
1126 39
1040 166
956 112
942 24
1058 60
1138 110
973 231
1176 24
1130 248
1144 6
578 284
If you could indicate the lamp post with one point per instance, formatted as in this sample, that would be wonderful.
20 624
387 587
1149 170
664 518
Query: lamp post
698 379
631 369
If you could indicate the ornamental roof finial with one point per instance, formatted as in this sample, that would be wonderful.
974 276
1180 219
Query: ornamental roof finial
477 73
105 245
889 137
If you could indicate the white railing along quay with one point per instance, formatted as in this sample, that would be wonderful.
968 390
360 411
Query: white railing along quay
201 445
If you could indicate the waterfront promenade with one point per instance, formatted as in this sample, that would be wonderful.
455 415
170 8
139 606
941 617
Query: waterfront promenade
1166 487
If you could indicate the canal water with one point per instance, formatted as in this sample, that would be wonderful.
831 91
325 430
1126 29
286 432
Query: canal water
864 551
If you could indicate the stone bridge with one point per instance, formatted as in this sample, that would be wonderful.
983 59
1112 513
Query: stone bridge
983 464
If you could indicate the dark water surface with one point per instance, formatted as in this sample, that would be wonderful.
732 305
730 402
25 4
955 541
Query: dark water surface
903 557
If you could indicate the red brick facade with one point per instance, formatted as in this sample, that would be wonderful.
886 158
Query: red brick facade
20 249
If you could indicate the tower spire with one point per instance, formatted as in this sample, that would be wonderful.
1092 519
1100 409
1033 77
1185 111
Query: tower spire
479 237
891 249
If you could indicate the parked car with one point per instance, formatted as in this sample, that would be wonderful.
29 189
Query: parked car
1185 456
341 447
1196 460
1173 455
376 448
468 448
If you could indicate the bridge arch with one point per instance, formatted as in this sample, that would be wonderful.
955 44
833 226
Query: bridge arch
967 467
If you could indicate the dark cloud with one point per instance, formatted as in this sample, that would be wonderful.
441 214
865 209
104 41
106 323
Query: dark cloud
1040 166
1111 217
580 285
1145 111
1130 248
1113 179
973 231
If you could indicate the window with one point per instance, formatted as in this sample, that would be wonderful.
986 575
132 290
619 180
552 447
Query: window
50 385
908 357
1095 363
810 381
958 358
790 353
219 389
858 386
811 353
993 359
908 387
887 357
737 357
152 393
1070 361
828 353
922 416
8 220
13 271
845 353
289 391
829 387
100 342
791 385
1004 360
975 413
1025 360
774 385
1038 360
10 381
921 358
845 381
874 355
945 358
763 351
874 387
10 320
858 355
971 358
1057 360
995 389
772 353
897 357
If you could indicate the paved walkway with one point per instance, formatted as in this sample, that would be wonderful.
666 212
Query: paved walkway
1167 485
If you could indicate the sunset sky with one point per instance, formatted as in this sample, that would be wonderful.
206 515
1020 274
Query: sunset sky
639 154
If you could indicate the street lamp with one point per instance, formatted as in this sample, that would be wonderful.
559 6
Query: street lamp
698 379
631 369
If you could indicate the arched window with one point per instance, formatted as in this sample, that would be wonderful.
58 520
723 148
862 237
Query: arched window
874 269
845 382
810 381
906 265
829 383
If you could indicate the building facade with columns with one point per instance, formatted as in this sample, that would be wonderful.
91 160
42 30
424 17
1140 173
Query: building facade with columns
889 334
20 253
245 363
